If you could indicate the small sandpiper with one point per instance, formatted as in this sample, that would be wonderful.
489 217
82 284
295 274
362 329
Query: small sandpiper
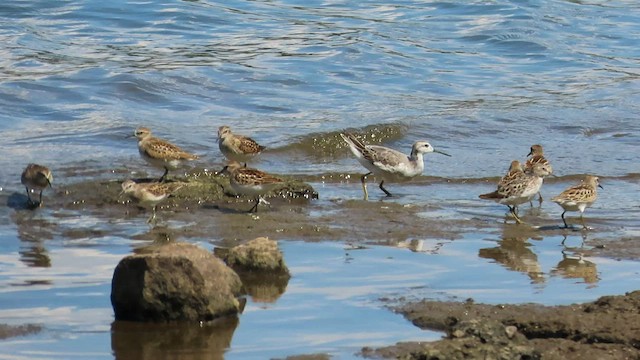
251 182
578 197
36 178
160 153
515 171
388 164
237 147
520 189
149 194
536 156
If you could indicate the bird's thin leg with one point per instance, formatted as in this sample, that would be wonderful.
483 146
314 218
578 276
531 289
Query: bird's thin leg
540 200
255 207
164 176
29 201
363 179
512 209
40 199
383 189
563 220
584 226
152 218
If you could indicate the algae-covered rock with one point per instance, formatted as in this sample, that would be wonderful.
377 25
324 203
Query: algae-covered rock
176 281
199 187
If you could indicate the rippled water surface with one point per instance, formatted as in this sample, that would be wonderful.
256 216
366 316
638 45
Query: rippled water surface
481 80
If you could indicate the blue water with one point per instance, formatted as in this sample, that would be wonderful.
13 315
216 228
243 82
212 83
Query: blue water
481 80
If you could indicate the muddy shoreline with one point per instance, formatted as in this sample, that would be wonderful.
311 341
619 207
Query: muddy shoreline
605 328
608 328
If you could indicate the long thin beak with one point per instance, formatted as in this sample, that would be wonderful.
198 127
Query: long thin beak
530 153
600 186
49 182
441 152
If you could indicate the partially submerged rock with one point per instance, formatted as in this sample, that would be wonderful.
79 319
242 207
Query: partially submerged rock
260 255
176 281
261 266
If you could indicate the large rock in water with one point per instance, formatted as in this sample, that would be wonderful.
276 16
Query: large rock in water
172 282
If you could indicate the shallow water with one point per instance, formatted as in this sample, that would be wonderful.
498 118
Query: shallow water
479 80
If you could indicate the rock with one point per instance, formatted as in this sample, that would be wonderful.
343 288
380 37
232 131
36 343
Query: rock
510 331
260 255
173 282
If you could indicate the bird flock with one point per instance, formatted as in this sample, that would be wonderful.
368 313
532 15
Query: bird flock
518 186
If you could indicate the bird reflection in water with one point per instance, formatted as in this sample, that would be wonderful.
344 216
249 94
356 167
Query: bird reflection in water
574 266
514 253
33 232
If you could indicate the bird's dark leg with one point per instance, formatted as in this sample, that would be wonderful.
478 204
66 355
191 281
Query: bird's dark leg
255 207
363 179
383 189
40 199
164 176
563 220
29 201
540 200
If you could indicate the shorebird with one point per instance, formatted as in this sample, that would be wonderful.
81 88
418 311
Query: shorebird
578 197
160 153
515 171
251 182
388 164
237 147
536 156
149 194
36 178
520 189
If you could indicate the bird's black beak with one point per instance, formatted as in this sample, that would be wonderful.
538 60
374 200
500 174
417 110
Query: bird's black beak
223 171
49 183
600 186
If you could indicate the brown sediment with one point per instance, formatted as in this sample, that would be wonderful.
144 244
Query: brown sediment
608 328
8 331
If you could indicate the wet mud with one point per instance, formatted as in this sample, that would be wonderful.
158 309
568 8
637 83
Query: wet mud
608 328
